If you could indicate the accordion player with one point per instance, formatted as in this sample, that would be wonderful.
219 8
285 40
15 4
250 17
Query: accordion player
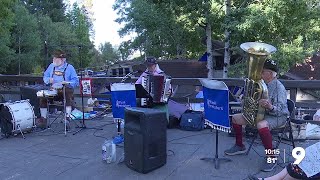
159 89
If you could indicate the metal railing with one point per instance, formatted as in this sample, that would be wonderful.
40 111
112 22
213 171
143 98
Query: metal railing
10 84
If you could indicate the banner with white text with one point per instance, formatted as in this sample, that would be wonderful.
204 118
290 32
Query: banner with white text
122 95
216 104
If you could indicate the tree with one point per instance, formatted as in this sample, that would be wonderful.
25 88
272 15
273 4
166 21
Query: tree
55 9
207 14
57 35
83 28
165 27
160 32
171 29
227 40
31 29
6 23
288 25
25 41
98 62
108 54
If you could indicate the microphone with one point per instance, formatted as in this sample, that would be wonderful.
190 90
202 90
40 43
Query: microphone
128 76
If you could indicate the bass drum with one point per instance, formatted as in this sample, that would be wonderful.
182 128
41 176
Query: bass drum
16 117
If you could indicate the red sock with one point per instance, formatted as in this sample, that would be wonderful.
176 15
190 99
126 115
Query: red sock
266 137
238 132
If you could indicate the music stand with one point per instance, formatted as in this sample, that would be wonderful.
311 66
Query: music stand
123 95
82 104
141 92
216 109
216 160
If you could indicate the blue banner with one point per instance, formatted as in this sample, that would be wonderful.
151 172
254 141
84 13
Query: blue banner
216 104
122 95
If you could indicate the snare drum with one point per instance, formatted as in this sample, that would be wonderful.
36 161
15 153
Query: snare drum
17 116
47 93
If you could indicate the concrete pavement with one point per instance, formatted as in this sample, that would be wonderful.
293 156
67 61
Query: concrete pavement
51 155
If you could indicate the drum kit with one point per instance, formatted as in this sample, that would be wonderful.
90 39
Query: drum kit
19 117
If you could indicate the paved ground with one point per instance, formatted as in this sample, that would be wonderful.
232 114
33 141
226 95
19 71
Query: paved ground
52 155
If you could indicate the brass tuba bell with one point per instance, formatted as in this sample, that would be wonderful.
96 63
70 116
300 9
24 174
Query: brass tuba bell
255 88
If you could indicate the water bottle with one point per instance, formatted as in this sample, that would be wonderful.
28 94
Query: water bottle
109 151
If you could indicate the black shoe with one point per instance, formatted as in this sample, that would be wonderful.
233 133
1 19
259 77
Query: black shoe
235 150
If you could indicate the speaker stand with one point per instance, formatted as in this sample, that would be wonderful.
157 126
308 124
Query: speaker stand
119 138
216 160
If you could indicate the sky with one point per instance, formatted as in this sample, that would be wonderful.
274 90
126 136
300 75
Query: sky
104 26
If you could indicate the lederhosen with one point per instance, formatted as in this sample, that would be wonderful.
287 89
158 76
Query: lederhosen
59 73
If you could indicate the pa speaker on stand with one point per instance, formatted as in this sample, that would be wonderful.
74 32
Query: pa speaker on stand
145 139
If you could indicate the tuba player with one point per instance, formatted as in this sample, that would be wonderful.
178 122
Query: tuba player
276 112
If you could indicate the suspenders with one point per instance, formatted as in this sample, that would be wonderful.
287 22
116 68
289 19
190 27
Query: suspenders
64 72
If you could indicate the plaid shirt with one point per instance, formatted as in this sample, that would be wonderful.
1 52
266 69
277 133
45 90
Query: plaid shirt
278 97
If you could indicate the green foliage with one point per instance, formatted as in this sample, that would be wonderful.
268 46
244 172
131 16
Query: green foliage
38 70
52 8
238 70
108 54
161 31
173 28
30 30
82 27
163 28
6 23
25 41
291 26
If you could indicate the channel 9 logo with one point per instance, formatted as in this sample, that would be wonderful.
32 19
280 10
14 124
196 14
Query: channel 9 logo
298 154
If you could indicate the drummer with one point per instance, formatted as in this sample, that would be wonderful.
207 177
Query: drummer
57 73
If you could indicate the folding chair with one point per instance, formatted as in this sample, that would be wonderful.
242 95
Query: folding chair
287 127
279 131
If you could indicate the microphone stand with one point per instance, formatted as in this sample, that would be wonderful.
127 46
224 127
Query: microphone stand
82 103
65 109
128 76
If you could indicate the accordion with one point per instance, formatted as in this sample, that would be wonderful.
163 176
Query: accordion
158 87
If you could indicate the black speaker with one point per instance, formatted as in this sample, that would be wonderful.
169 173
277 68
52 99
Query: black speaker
145 139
